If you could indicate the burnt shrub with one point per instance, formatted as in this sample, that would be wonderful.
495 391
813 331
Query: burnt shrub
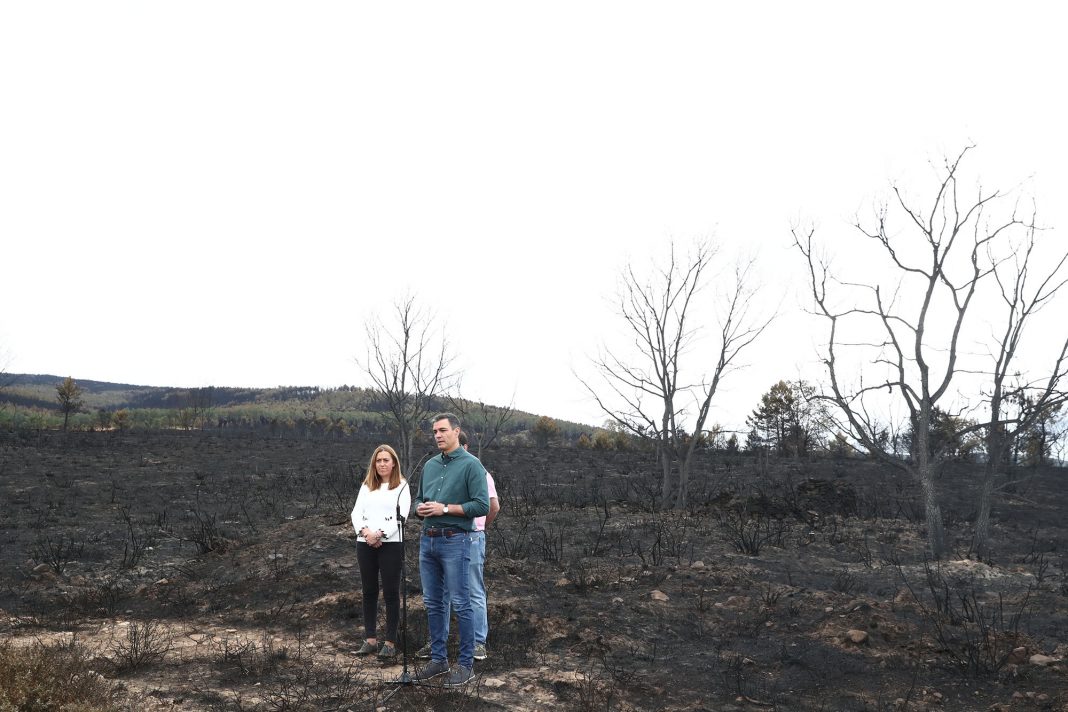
179 599
550 544
844 582
663 538
513 541
749 533
102 598
977 635
145 643
56 554
596 538
246 657
583 575
138 540
591 691
201 529
770 595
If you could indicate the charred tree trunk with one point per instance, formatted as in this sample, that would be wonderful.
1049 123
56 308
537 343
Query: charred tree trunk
926 468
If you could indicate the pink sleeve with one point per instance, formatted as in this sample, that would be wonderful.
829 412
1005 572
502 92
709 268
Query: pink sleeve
491 486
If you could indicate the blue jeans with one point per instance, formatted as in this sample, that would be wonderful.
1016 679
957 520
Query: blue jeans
444 567
478 590
478 587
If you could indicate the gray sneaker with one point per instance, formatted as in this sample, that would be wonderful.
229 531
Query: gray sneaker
459 676
424 652
431 670
480 652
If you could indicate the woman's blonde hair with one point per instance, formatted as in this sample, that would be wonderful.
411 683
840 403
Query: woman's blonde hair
372 481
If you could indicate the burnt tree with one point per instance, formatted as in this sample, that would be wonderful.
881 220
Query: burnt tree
1017 404
643 387
408 362
908 326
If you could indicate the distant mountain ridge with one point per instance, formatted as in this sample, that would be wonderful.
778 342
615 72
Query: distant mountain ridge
39 379
38 391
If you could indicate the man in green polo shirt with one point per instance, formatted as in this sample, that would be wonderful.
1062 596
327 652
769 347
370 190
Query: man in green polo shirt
452 492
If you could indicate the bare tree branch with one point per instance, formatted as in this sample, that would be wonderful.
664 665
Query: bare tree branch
483 423
643 392
941 260
408 362
1034 400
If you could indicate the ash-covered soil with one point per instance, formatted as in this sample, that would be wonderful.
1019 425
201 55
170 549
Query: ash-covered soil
202 572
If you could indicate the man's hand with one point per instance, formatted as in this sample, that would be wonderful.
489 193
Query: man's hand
430 509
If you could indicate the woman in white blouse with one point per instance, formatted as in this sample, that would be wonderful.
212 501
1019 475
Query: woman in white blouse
379 548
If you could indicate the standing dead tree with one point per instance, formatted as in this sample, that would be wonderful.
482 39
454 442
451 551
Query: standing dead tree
913 329
483 423
408 364
640 388
1029 400
739 328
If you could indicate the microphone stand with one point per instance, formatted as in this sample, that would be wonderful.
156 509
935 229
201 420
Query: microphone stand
405 679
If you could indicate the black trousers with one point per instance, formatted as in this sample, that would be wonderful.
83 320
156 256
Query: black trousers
385 561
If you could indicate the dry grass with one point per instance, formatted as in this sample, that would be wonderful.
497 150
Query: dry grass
52 678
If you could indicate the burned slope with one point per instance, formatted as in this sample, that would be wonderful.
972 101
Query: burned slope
211 572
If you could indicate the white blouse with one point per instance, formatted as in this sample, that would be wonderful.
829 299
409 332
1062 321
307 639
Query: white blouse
378 509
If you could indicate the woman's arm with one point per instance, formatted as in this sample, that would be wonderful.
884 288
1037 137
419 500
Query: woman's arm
359 509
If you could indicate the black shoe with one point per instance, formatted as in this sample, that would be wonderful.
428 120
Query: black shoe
459 676
367 648
431 670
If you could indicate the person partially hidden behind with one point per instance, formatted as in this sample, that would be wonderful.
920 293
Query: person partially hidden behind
478 582
452 492
379 548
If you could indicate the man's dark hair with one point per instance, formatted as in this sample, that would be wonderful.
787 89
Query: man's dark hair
463 439
454 421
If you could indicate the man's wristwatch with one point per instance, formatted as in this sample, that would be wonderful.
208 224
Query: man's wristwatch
445 510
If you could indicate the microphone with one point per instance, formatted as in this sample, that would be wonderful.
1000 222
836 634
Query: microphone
400 519
399 493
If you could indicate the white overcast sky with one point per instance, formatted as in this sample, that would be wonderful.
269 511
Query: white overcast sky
222 193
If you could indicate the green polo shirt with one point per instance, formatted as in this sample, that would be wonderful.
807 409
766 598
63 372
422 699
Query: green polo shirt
454 478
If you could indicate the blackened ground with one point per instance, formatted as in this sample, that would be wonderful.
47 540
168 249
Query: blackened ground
795 585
